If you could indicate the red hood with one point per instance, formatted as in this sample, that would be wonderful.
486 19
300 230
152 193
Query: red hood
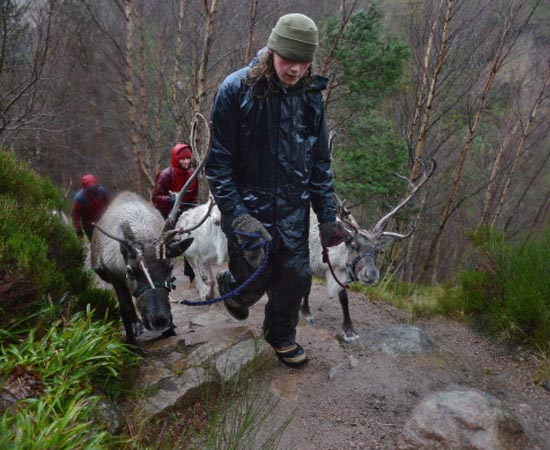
179 151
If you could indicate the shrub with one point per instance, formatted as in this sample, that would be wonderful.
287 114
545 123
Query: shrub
509 292
41 259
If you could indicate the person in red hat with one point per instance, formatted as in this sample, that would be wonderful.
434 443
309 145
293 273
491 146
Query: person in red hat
89 205
169 182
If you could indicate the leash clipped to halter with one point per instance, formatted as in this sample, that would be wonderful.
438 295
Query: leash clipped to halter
239 289
326 260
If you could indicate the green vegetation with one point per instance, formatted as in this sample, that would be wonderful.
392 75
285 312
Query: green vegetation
41 259
57 379
507 294
56 360
369 67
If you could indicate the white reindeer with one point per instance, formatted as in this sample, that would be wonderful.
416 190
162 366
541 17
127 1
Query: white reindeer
209 245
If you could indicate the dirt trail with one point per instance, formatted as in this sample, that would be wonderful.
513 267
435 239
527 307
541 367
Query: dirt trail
350 396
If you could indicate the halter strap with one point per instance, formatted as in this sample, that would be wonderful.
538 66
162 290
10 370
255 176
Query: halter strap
351 267
169 285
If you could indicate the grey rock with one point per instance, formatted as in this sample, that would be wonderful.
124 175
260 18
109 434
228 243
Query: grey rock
233 360
107 414
461 420
395 340
175 391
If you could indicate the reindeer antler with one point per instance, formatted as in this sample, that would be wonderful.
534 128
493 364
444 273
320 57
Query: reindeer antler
122 241
425 174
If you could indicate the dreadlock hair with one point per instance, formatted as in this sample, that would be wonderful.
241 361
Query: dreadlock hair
263 74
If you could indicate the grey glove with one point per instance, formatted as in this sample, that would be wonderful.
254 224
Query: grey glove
247 228
332 233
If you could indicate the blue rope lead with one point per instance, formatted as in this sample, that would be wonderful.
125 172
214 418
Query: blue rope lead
239 289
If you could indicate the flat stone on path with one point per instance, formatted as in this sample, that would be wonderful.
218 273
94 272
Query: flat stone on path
395 340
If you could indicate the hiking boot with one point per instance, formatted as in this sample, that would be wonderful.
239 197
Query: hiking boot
294 356
225 282
237 312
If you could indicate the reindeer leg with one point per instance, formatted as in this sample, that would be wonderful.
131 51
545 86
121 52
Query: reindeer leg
306 312
132 324
349 332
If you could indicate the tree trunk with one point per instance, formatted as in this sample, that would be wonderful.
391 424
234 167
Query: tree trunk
252 26
497 166
197 102
498 59
425 125
521 146
176 107
130 98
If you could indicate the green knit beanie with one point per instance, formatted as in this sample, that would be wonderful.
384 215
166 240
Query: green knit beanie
294 37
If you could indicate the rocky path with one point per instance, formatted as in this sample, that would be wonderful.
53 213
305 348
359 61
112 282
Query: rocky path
404 384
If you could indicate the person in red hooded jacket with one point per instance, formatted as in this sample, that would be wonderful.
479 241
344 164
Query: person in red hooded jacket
169 182
89 205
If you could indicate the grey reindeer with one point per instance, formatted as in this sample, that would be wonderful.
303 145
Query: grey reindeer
356 258
132 249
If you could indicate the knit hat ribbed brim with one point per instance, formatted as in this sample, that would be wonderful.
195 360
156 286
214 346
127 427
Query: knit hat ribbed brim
295 37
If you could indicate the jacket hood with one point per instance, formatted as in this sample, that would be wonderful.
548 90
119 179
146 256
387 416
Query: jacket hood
88 180
179 151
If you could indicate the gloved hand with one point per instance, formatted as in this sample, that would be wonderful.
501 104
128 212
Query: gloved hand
80 233
171 200
332 233
252 246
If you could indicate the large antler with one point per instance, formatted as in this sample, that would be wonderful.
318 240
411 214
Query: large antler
171 220
426 171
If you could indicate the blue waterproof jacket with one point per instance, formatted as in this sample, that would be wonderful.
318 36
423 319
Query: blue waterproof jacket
270 156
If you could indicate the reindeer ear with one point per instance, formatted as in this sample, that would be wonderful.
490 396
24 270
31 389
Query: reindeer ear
127 231
177 248
128 236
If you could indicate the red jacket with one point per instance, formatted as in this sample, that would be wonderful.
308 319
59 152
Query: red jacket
172 179
89 204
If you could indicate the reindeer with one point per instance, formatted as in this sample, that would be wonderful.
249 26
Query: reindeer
209 246
130 251
354 259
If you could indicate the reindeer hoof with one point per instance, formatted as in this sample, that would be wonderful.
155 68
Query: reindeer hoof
309 318
170 332
350 336
137 326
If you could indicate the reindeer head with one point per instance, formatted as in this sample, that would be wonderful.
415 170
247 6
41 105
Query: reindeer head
362 256
149 274
365 245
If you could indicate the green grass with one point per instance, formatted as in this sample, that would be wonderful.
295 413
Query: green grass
40 258
510 293
419 300
58 378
